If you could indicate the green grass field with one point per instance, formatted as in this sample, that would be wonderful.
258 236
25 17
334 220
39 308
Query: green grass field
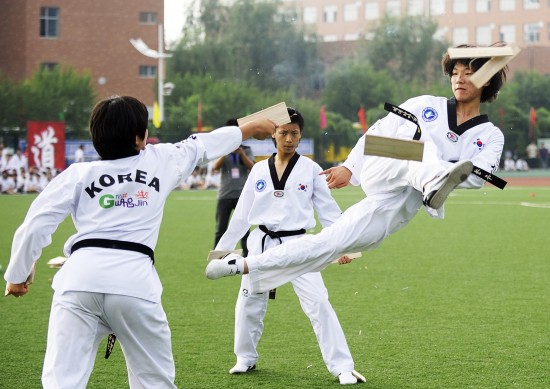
462 302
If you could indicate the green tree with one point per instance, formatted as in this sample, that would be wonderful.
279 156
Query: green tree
60 94
406 48
249 41
10 104
352 84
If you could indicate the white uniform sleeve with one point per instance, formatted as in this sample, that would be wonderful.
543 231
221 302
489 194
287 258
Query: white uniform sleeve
354 161
45 214
324 204
199 149
239 224
488 159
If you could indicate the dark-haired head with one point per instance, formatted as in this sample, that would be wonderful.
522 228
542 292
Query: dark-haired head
296 117
115 123
490 92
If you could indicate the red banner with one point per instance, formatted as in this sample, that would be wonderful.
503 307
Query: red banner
46 144
323 118
362 119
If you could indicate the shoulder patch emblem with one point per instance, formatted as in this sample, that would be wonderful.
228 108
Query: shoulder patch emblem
479 144
429 114
260 185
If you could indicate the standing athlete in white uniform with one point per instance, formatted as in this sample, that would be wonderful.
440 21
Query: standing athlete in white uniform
281 196
109 284
455 135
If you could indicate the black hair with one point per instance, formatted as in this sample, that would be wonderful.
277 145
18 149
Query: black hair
296 117
114 124
489 92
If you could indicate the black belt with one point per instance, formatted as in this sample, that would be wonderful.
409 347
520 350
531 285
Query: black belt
115 244
277 235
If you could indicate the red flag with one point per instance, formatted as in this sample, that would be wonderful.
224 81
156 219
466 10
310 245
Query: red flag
362 118
533 115
199 117
323 118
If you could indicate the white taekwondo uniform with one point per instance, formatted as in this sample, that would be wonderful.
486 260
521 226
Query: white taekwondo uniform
393 188
287 205
100 290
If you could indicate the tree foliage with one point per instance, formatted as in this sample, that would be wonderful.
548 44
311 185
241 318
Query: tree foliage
406 48
249 41
59 94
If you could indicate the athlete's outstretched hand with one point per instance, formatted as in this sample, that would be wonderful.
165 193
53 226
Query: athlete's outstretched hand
259 129
337 177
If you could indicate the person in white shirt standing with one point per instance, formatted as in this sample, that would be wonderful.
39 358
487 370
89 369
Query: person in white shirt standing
281 196
109 284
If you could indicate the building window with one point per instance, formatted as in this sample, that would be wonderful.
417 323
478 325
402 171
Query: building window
48 66
415 7
372 10
483 35
147 71
441 33
351 37
148 17
310 15
329 13
350 12
531 4
330 38
483 5
393 8
460 36
49 22
531 32
437 7
508 33
507 5
460 6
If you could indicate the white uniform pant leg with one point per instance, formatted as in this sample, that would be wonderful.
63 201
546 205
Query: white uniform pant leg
75 331
361 227
420 173
141 327
250 311
313 296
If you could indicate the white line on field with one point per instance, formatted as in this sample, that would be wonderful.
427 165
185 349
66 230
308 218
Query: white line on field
523 204
196 198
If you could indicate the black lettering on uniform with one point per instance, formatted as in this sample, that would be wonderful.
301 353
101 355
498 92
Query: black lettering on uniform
155 184
106 180
140 176
124 177
92 190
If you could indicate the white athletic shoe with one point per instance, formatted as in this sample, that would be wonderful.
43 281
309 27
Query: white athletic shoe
223 267
437 190
346 378
240 368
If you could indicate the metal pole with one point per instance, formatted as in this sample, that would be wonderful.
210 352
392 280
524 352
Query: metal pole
161 73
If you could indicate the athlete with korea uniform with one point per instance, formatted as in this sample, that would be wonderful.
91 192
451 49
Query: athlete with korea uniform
456 137
109 284
281 195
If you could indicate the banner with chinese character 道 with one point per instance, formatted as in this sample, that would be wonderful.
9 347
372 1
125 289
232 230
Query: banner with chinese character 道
46 144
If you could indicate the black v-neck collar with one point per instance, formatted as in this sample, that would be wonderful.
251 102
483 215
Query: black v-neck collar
459 130
280 185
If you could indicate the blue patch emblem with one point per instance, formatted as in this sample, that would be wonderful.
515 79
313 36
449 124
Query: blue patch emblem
429 114
260 185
